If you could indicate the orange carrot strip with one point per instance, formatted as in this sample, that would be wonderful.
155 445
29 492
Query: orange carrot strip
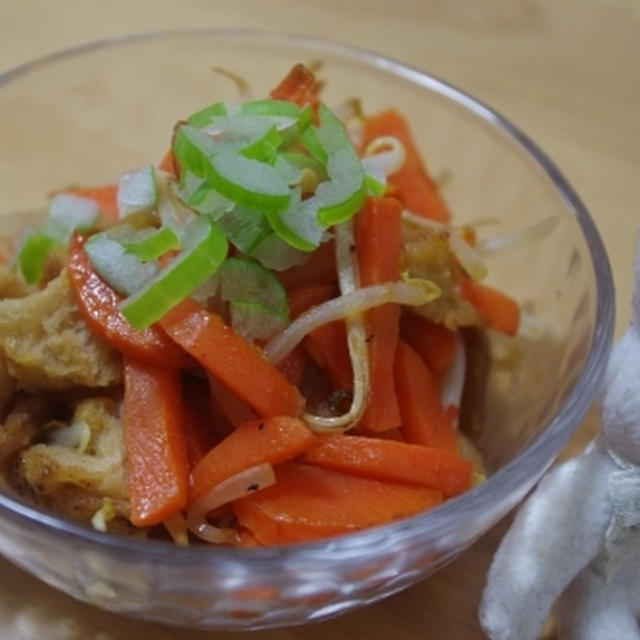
157 457
327 346
168 163
272 440
393 461
99 306
319 268
424 420
234 408
298 86
379 247
499 310
103 196
411 181
199 428
238 364
308 503
435 343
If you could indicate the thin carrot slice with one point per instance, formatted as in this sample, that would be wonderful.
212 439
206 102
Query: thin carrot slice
327 346
500 311
168 163
298 86
393 461
238 364
234 408
320 268
99 304
198 422
309 503
379 247
272 440
104 196
424 420
434 342
157 456
411 182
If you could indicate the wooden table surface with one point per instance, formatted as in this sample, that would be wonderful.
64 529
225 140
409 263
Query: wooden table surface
568 72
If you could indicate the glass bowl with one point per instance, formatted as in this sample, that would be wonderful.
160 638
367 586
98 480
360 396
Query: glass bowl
85 115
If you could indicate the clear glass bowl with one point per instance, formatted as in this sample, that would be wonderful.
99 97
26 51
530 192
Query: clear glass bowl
84 115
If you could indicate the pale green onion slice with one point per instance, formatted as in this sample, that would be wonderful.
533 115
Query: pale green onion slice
414 292
244 228
32 256
274 253
137 191
67 213
204 249
154 244
123 271
255 321
247 280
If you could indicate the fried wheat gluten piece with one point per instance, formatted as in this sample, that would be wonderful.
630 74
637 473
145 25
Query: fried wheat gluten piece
73 478
47 345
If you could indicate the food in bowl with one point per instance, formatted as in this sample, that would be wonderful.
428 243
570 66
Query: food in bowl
259 342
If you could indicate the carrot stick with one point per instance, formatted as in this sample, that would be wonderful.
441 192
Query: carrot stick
308 503
379 247
424 420
320 268
168 163
327 346
157 457
103 196
435 343
272 440
411 182
198 422
234 408
500 311
99 306
393 461
238 364
298 86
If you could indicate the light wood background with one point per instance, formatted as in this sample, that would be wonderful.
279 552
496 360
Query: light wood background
566 71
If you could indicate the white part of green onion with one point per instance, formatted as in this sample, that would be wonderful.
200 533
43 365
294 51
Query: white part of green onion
137 191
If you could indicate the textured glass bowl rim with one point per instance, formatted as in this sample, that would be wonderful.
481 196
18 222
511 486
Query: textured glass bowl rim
446 520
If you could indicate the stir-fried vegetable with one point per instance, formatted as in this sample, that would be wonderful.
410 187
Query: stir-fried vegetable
277 290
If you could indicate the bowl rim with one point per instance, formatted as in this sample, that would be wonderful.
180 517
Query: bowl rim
498 486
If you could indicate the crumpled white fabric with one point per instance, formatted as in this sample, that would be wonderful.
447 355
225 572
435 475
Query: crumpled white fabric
576 540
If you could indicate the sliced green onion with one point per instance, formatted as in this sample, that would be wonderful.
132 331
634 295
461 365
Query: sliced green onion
248 280
205 247
67 213
253 320
123 271
198 195
297 224
244 228
311 141
155 244
204 116
344 193
137 191
247 182
376 183
274 253
33 255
